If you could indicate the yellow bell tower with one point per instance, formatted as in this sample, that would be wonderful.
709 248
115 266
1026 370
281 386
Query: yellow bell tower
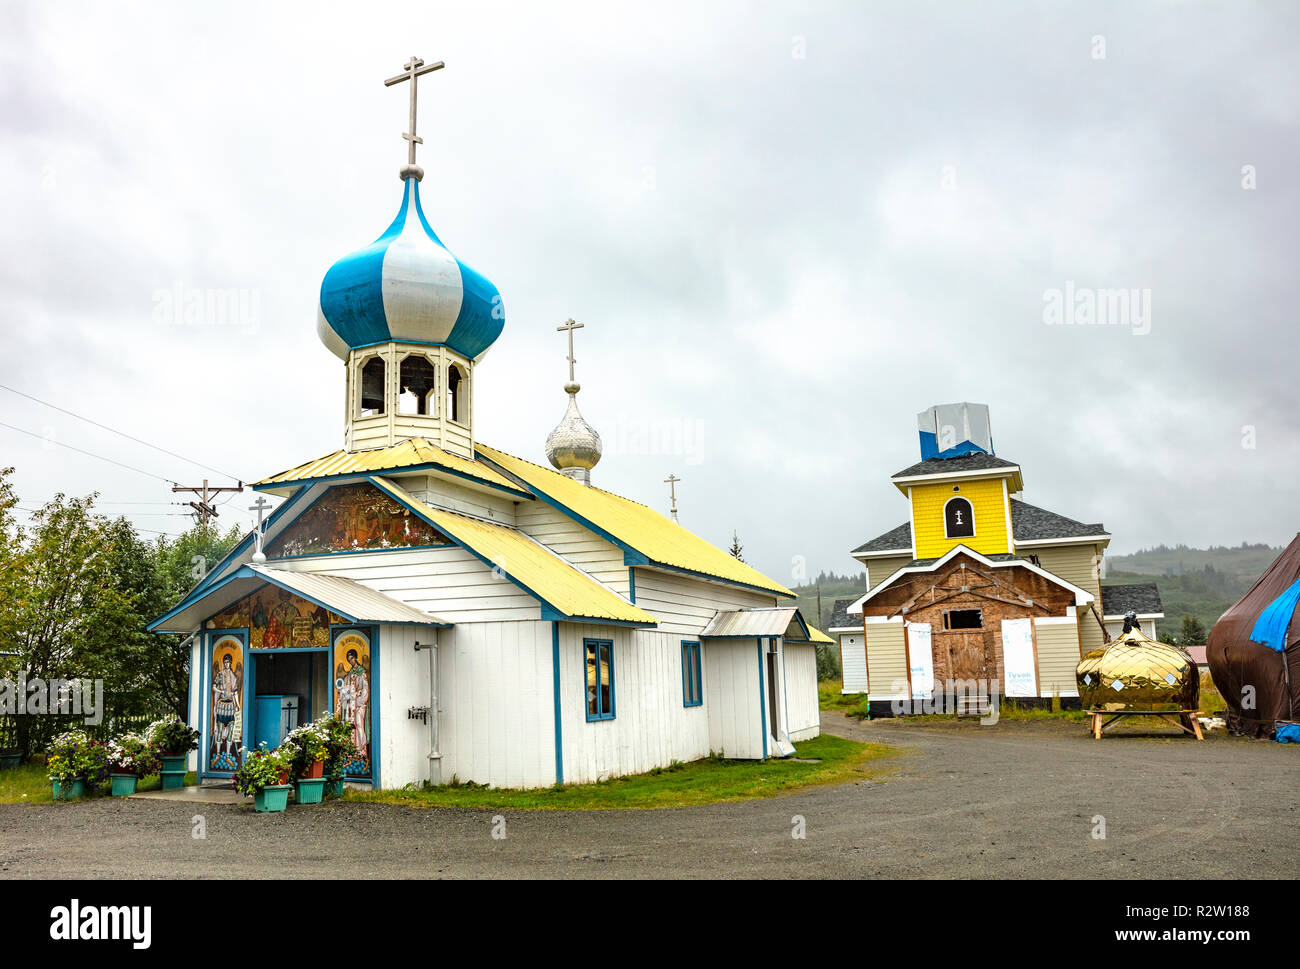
960 492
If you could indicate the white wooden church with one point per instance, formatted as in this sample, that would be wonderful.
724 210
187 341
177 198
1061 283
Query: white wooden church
473 613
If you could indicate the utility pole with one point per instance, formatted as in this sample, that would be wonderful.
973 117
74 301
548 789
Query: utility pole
204 510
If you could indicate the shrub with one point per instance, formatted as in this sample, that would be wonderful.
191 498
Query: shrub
172 737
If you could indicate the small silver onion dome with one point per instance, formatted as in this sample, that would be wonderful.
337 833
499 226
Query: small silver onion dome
574 446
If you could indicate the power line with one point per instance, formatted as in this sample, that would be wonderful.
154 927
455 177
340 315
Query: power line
42 437
129 437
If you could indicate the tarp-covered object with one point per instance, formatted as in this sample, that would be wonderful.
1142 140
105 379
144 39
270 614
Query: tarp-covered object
1268 671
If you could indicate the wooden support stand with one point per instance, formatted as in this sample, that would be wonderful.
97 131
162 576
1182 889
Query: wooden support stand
1186 720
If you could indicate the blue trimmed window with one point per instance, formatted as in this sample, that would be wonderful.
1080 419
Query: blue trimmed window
692 684
598 655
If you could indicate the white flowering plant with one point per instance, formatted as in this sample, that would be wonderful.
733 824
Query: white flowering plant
132 754
305 745
172 737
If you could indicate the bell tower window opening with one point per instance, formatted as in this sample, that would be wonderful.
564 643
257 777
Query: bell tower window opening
373 379
417 377
455 394
958 518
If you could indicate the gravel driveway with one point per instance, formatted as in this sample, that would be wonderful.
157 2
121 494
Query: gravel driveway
1013 800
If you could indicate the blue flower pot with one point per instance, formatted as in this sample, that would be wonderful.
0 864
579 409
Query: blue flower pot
10 761
70 792
124 784
309 790
334 788
273 797
176 763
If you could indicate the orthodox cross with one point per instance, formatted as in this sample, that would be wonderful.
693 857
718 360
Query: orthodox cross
671 482
570 326
414 69
259 506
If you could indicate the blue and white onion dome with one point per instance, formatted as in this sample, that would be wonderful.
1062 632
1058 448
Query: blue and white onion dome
406 286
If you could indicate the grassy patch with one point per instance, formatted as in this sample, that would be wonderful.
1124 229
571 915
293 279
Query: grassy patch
29 784
829 697
707 781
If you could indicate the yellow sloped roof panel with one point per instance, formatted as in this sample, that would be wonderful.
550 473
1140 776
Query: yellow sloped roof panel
815 635
659 539
412 453
528 563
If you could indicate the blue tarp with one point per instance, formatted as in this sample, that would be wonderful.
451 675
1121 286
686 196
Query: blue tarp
1288 733
1271 626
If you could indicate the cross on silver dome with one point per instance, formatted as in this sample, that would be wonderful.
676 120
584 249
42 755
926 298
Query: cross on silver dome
415 68
573 447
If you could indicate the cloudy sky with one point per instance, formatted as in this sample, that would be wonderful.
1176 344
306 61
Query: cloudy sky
788 227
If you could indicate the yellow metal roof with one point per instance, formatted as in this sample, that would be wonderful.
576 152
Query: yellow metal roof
815 635
632 524
527 563
406 455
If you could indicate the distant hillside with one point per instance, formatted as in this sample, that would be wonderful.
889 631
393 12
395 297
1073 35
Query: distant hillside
832 587
1240 560
1202 582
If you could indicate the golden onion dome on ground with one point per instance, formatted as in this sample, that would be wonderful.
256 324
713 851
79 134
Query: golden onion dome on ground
1136 672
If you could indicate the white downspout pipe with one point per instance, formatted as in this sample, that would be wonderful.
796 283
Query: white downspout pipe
435 756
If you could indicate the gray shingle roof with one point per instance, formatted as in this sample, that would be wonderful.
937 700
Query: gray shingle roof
1140 597
892 540
1029 523
975 461
840 617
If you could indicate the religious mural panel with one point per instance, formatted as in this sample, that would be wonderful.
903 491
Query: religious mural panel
354 518
276 619
226 731
352 666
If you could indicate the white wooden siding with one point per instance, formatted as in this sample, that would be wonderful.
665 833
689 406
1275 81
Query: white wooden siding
448 493
803 711
495 704
581 546
448 582
403 682
651 727
732 697
683 604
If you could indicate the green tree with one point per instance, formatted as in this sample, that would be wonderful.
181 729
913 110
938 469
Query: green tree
737 551
1193 633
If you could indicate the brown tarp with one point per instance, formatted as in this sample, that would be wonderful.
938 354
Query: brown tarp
1237 663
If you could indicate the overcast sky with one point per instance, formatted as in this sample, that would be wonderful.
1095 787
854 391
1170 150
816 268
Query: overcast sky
788 227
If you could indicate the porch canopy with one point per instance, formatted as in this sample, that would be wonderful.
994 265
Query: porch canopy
783 621
344 597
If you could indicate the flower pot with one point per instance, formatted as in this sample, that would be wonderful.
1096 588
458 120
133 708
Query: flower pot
309 790
10 760
173 771
317 769
174 762
336 788
124 784
71 791
273 797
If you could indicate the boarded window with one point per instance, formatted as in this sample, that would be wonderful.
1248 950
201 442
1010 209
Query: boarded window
958 518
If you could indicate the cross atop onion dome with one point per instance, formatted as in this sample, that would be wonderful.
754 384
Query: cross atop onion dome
573 447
